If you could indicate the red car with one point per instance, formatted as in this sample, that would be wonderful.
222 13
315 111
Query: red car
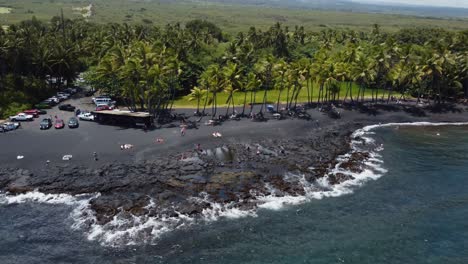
59 124
103 107
33 112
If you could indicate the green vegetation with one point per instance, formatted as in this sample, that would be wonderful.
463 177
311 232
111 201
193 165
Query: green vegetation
146 67
232 18
189 102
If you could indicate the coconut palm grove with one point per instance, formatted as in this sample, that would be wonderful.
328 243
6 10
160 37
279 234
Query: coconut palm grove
199 65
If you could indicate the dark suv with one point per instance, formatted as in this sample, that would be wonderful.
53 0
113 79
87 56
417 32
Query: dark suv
67 107
46 123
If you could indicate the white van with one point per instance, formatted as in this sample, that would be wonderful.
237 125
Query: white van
102 101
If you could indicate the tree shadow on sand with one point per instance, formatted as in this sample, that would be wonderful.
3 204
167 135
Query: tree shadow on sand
368 109
444 108
414 111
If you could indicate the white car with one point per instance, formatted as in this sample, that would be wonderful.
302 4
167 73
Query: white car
54 99
21 117
86 117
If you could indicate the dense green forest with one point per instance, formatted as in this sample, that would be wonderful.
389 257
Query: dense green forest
148 67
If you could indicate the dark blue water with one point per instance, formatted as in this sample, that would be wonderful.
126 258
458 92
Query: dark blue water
416 213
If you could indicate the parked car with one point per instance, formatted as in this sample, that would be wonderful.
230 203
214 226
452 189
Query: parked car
9 126
55 100
43 105
101 99
41 111
59 124
33 112
103 107
46 123
21 117
49 101
67 107
70 91
62 96
73 123
86 116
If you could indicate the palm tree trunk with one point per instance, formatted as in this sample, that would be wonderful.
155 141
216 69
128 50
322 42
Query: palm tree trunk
311 93
278 102
229 104
362 93
264 99
245 102
252 100
206 102
389 94
377 94
233 104
293 94
214 106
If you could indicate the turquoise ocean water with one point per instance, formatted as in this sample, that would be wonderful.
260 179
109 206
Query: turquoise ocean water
417 212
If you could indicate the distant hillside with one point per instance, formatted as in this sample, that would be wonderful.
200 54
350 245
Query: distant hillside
349 5
231 15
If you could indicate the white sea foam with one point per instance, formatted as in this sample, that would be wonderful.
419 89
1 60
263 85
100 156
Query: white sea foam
39 197
128 229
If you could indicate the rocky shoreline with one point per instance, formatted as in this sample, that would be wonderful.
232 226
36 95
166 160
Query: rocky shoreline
284 159
230 174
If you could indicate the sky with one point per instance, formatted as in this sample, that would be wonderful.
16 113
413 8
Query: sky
445 3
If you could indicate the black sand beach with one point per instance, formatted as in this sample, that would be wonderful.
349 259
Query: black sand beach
247 158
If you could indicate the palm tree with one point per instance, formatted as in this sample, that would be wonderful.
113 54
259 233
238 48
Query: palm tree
205 87
232 75
216 81
252 83
433 72
363 75
280 70
264 70
197 94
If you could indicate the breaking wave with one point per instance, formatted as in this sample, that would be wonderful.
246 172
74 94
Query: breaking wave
128 229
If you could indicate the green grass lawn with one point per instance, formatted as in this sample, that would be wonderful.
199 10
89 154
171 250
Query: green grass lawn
231 18
272 97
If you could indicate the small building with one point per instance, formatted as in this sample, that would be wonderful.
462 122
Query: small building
123 118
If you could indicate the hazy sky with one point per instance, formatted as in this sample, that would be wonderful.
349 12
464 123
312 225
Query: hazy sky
451 3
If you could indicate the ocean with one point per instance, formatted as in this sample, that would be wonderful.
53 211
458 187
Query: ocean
410 205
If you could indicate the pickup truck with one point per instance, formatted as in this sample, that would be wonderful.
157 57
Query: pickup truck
21 117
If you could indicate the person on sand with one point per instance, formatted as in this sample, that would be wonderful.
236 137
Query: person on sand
182 130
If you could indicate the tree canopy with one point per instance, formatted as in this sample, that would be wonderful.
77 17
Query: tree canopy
146 67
